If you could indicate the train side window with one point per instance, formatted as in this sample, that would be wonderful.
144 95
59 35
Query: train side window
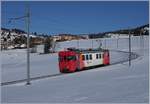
100 56
90 57
96 56
87 57
83 57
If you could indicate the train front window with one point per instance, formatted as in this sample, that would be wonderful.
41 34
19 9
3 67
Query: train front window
71 58
67 58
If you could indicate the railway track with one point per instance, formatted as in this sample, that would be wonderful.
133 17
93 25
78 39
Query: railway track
32 79
133 56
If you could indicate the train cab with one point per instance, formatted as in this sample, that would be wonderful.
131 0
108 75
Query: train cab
67 61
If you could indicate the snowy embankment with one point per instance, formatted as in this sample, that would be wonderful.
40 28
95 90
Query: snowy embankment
112 84
14 61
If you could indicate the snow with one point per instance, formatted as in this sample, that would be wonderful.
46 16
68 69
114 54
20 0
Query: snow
117 83
30 35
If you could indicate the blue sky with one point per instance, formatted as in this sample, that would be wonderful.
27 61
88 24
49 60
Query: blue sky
76 17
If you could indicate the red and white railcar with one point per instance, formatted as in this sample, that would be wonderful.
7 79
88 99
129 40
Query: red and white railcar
73 60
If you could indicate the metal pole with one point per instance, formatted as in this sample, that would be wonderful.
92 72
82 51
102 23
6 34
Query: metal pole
141 42
78 43
117 41
27 22
105 42
129 48
92 43
100 44
28 46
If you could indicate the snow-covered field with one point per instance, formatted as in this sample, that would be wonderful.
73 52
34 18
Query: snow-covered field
111 84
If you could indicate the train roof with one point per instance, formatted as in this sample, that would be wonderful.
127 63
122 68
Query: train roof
87 50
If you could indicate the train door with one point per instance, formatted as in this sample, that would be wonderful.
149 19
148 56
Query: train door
77 62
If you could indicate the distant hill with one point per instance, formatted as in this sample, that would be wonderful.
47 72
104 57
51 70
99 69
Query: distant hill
144 30
17 37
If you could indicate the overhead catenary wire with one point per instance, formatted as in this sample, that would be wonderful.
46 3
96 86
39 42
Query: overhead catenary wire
55 23
18 18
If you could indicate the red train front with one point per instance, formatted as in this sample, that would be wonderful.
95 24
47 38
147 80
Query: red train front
67 61
73 60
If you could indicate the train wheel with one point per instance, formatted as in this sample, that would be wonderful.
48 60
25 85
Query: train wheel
65 70
77 69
